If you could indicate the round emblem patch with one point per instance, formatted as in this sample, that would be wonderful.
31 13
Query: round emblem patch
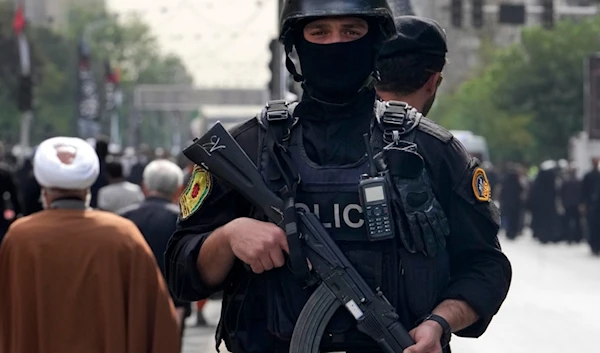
481 186
196 192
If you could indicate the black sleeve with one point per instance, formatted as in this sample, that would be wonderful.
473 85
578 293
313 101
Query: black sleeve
586 189
480 272
221 206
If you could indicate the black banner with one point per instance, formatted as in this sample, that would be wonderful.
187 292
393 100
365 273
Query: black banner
87 96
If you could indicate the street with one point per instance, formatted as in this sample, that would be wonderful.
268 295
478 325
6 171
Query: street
202 339
552 305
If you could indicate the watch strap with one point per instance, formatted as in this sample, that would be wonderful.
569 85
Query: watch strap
447 331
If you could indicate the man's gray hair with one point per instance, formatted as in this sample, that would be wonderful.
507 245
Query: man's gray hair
163 176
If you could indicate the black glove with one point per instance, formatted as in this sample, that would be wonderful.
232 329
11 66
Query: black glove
427 223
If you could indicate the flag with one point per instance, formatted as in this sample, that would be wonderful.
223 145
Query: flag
87 95
19 27
25 93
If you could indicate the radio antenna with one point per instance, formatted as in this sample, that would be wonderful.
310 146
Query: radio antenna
372 168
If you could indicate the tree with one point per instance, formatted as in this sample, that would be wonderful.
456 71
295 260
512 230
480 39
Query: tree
9 66
529 97
471 108
128 44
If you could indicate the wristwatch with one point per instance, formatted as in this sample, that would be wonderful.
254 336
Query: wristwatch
447 331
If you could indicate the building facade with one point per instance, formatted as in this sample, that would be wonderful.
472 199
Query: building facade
465 43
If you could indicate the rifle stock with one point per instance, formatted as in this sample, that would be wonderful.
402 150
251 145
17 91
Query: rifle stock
341 285
219 153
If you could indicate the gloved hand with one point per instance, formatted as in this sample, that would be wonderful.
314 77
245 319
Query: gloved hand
427 223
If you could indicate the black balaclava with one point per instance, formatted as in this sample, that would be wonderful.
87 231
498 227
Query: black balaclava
335 73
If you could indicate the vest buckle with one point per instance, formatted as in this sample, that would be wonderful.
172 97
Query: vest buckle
395 113
394 121
277 110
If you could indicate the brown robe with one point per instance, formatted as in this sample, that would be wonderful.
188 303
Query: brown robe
74 281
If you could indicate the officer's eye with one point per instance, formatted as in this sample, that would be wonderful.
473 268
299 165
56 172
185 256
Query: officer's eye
317 33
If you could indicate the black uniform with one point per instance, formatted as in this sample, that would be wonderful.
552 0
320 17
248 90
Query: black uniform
511 202
480 273
325 147
591 198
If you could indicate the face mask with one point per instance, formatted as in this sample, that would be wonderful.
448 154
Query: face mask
336 72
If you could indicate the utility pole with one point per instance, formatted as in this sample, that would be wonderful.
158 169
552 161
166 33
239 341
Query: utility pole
278 77
25 93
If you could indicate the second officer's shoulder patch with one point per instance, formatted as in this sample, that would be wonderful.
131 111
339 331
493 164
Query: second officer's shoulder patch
196 192
481 185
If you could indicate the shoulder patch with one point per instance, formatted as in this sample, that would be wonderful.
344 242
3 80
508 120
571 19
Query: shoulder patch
196 192
429 127
481 186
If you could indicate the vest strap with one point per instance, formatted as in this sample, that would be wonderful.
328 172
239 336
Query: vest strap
279 120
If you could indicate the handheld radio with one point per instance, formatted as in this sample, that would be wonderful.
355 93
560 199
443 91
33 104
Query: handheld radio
374 196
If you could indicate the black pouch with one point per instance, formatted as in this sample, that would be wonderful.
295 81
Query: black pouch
286 297
414 202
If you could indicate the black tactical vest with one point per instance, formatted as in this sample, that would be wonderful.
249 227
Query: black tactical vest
410 281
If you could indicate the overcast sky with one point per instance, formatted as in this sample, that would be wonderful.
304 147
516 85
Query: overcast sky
219 46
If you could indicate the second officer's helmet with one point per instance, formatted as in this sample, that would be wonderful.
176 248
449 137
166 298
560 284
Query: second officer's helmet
294 11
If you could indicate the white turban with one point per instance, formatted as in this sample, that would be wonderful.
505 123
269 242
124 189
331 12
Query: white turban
67 163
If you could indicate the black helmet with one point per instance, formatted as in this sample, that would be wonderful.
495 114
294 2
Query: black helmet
296 10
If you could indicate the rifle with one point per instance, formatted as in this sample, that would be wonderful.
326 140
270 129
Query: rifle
340 283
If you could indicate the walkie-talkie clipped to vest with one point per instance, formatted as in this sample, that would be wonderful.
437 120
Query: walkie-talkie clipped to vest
374 196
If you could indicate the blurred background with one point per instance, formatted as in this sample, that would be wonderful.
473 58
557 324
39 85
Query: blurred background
521 91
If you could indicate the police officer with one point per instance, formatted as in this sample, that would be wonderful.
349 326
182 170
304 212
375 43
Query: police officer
411 71
411 66
439 283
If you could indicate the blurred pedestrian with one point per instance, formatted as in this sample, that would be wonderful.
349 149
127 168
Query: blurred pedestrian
75 279
571 196
511 203
156 216
10 197
101 146
543 202
144 156
591 191
119 193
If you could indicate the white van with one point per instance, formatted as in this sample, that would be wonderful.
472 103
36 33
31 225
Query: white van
476 145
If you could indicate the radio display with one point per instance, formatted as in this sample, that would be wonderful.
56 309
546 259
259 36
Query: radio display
374 194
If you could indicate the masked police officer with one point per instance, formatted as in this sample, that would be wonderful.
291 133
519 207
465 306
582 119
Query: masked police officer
443 270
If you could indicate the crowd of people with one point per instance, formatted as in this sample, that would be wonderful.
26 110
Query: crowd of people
551 200
143 187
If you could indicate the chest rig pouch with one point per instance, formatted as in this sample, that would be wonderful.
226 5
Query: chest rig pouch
331 193
422 226
425 222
